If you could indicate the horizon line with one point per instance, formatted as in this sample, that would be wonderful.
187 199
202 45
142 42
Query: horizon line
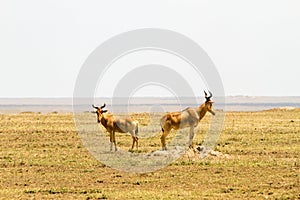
106 97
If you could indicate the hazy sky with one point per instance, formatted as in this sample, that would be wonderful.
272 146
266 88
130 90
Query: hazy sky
255 44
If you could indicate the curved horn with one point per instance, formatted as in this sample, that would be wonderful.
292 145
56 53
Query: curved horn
94 106
210 94
103 106
205 93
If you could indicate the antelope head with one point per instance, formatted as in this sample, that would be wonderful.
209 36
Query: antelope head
99 112
209 102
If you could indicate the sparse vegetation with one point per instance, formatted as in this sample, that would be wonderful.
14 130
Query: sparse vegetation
42 157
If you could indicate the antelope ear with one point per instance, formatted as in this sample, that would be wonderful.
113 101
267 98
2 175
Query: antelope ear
104 111
93 112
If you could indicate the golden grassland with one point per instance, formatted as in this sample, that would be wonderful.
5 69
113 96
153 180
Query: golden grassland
42 157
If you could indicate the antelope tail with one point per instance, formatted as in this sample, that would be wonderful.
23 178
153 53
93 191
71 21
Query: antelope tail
137 130
162 123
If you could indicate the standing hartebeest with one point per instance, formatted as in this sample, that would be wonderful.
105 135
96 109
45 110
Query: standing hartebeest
121 125
189 117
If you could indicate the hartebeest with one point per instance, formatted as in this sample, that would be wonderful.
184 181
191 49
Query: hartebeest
121 125
189 117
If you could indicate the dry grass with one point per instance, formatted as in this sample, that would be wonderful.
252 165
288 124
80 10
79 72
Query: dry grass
43 157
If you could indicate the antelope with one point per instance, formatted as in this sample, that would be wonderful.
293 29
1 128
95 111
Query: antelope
120 125
189 117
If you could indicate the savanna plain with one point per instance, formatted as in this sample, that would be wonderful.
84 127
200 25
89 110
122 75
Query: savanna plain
42 157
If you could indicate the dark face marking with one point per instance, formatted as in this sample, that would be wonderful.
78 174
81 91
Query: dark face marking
99 112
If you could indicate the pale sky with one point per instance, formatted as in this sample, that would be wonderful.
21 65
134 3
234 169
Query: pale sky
255 45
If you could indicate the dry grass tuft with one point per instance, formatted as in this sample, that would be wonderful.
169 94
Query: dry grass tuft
42 157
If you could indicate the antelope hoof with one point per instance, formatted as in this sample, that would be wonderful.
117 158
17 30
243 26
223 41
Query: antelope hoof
131 150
